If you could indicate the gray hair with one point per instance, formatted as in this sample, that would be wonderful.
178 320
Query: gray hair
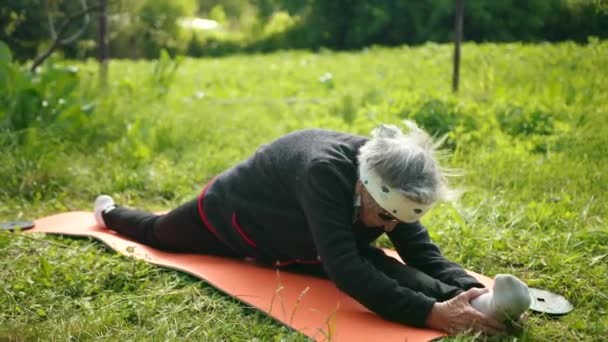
408 162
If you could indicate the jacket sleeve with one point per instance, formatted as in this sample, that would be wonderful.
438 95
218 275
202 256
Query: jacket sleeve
415 247
327 204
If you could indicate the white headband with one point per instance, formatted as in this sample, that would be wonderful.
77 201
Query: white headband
389 198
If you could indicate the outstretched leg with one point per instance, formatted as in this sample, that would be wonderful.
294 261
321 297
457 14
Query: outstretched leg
181 230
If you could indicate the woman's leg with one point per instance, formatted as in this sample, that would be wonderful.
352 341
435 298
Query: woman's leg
405 275
180 230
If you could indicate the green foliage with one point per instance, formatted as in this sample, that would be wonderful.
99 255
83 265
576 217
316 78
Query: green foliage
40 114
516 120
217 13
449 119
528 128
355 24
141 28
279 22
159 25
20 26
164 73
47 99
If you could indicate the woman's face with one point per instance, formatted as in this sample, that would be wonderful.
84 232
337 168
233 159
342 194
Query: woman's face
371 214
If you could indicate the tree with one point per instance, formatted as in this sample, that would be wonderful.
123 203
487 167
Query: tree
60 35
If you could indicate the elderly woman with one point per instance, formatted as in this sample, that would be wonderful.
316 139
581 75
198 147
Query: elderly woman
318 199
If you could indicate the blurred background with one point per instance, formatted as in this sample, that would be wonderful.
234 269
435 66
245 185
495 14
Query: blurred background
141 28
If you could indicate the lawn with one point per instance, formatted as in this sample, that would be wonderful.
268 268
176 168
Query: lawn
528 128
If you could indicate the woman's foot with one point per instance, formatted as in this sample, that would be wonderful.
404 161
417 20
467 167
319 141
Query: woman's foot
508 300
103 204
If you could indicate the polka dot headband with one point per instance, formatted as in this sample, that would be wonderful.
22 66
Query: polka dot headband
389 198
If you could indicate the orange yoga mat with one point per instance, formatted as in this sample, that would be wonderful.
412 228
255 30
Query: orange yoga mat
312 306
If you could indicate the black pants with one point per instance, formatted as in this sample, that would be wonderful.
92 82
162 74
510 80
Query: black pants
405 275
182 230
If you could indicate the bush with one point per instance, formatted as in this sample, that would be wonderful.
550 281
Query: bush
214 43
519 121
446 118
47 99
159 25
43 115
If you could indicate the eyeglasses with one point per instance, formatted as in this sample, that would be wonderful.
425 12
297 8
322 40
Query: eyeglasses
386 217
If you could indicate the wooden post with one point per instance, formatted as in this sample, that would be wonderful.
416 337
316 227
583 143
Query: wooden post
457 40
103 43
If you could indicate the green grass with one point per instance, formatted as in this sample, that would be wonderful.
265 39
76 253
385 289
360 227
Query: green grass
528 128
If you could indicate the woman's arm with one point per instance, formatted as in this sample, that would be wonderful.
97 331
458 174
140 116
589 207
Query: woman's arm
326 200
415 247
325 203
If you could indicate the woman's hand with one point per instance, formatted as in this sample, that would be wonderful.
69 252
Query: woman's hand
457 315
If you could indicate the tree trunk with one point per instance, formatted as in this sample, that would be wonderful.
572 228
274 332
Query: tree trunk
103 43
457 40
